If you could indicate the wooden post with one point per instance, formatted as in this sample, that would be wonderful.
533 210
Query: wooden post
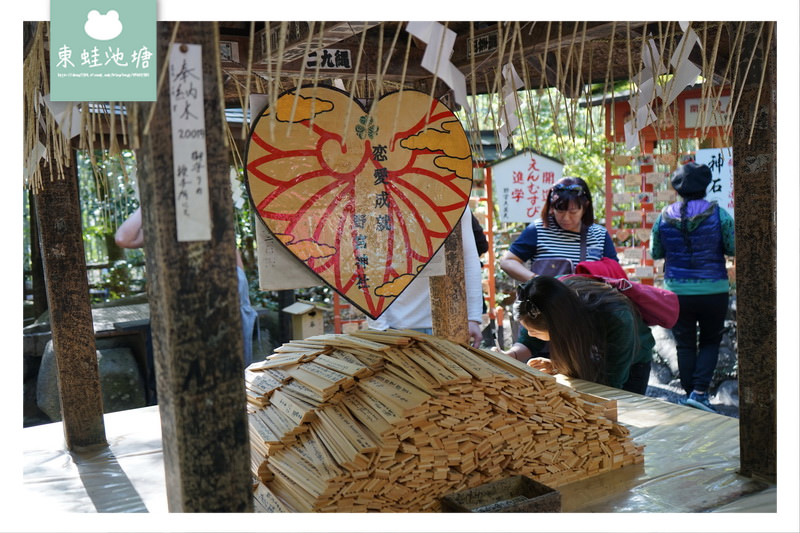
194 309
37 269
449 294
285 299
59 219
755 171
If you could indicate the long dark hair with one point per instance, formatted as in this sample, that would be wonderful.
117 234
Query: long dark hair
565 192
571 312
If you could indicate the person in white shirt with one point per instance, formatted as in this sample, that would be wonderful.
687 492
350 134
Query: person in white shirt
412 309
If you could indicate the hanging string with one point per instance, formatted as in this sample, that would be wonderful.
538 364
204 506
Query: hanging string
402 83
747 68
526 81
297 95
589 124
277 89
161 77
708 76
725 131
612 126
763 74
346 125
473 124
526 76
221 89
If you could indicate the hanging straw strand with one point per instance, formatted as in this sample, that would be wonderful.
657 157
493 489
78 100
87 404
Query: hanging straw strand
161 77
763 74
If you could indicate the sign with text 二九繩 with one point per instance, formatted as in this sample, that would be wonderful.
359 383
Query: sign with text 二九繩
363 197
521 183
102 50
189 163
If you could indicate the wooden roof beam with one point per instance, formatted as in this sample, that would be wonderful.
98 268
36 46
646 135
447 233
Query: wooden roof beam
297 38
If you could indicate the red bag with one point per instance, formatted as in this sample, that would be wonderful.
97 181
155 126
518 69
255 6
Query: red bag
605 267
658 307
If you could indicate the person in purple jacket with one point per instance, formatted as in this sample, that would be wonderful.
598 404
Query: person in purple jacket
693 236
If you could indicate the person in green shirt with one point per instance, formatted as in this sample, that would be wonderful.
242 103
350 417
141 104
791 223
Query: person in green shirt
595 332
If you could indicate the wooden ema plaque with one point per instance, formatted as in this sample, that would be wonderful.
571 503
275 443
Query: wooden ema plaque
363 198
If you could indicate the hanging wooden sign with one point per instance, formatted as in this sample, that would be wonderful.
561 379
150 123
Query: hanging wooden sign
364 198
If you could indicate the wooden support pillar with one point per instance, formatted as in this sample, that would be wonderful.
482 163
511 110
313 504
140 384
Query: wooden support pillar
449 294
285 299
61 240
37 269
194 309
755 171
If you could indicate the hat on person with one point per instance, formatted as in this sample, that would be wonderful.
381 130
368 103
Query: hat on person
691 180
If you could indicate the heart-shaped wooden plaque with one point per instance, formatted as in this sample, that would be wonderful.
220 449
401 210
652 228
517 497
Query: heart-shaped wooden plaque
363 198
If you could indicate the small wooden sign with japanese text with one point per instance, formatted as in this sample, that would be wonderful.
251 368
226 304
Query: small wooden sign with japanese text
521 183
189 143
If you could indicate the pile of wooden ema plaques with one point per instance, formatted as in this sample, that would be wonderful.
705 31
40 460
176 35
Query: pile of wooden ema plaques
392 421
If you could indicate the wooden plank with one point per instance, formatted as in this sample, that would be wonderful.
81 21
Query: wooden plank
278 422
366 415
460 375
294 467
322 386
347 357
288 491
387 411
465 359
415 372
355 369
338 379
349 341
306 394
316 454
264 384
284 360
266 502
373 360
384 337
297 411
331 436
348 427
398 390
264 431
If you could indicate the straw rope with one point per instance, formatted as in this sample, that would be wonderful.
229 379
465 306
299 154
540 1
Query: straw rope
566 62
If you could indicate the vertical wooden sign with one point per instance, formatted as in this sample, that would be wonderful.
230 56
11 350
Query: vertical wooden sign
189 142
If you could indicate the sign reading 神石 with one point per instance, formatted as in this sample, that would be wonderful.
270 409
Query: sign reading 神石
720 161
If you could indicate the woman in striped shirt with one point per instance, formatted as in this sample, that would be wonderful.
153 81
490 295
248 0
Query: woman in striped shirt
567 209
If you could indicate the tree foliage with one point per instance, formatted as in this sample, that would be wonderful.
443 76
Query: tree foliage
554 126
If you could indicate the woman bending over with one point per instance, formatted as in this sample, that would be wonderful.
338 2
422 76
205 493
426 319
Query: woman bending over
595 333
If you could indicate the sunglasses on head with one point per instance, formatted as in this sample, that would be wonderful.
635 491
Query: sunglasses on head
573 188
525 306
